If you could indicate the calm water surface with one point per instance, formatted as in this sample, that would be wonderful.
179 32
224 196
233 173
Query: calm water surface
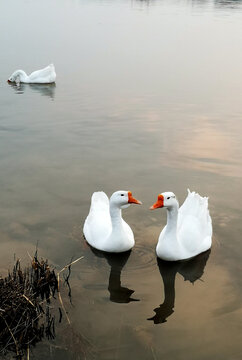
147 98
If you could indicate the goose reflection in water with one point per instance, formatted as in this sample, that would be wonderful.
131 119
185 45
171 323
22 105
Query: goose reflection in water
118 293
191 270
43 89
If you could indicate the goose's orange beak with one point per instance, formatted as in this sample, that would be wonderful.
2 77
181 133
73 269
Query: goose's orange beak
132 200
159 203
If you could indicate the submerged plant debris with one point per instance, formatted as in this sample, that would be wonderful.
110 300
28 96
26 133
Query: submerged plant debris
25 313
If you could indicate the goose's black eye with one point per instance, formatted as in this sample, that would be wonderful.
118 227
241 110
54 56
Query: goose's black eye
122 194
168 198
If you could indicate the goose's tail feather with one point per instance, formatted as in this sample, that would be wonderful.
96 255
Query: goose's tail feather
197 206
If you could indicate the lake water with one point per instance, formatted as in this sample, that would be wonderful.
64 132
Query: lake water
147 98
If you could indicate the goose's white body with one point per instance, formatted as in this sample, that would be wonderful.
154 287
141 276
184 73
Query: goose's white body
189 228
104 228
43 76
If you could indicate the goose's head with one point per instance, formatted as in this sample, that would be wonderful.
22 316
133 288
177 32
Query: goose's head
123 199
16 76
13 77
166 199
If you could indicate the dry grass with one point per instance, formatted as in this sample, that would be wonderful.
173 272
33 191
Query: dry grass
25 313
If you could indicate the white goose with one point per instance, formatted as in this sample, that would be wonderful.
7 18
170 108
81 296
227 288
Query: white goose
189 228
43 76
104 228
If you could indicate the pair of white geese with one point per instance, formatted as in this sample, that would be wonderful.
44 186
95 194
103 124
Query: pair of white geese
188 231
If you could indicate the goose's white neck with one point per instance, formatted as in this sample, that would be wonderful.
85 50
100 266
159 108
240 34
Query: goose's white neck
118 236
116 218
172 214
168 240
171 226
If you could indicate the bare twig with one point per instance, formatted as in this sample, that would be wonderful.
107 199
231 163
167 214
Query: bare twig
15 342
60 299
58 287
28 352
28 300
30 256
73 262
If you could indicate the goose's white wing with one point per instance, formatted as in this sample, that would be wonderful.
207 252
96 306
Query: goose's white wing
46 75
194 223
98 226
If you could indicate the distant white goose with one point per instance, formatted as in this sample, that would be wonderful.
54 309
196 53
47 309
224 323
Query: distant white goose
189 229
43 76
104 228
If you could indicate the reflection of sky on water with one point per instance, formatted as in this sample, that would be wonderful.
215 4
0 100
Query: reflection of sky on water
202 144
148 101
